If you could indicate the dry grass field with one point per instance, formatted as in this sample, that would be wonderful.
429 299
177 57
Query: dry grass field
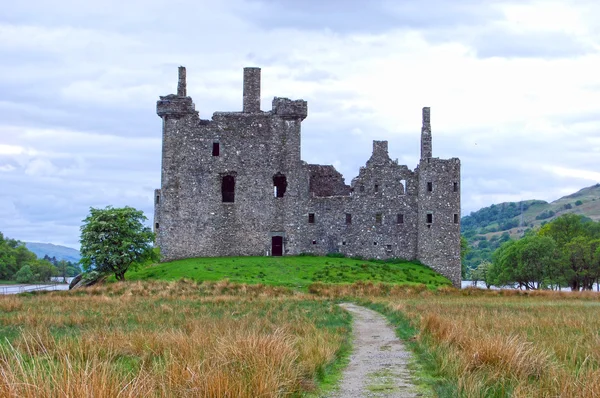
167 339
498 343
178 339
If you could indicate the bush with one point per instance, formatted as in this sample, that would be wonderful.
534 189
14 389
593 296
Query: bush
578 203
336 255
24 275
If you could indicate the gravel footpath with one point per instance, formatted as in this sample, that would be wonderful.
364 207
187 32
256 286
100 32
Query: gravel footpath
378 364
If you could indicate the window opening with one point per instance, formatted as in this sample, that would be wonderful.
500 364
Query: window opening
156 225
216 149
403 183
374 243
314 242
157 199
311 218
361 188
400 219
344 243
348 218
429 218
455 218
279 185
455 185
378 218
376 188
228 189
388 247
429 187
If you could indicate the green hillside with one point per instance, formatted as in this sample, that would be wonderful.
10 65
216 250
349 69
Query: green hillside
487 228
292 271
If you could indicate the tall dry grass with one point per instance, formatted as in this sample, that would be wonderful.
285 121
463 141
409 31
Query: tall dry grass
163 339
500 344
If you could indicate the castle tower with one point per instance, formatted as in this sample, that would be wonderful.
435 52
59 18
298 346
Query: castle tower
438 225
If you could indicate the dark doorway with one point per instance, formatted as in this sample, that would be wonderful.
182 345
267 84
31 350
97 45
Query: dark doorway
228 189
277 245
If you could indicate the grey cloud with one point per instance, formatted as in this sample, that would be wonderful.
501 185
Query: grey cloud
349 16
506 44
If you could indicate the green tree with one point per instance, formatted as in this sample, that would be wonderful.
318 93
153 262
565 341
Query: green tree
42 270
24 275
582 255
482 273
115 239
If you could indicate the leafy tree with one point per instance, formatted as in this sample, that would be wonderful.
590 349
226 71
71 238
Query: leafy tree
564 228
482 273
24 275
582 255
43 270
13 256
529 262
115 239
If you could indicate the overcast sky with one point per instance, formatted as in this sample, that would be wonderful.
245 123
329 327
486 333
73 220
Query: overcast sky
514 91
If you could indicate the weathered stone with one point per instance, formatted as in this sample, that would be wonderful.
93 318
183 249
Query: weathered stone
235 186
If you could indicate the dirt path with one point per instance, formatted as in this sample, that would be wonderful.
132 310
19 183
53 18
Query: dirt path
378 364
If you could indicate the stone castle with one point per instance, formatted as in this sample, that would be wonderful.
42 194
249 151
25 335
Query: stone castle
236 185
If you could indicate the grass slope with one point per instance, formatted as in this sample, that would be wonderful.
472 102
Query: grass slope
291 271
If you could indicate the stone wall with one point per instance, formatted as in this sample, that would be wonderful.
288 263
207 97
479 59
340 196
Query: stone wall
235 185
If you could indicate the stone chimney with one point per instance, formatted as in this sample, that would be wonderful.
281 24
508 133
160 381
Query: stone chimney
251 90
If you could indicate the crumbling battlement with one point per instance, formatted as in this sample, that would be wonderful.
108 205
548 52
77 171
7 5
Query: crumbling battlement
236 185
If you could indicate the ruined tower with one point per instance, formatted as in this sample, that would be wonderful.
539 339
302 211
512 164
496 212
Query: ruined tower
235 185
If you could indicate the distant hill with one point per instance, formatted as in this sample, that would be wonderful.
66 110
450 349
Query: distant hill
60 252
487 228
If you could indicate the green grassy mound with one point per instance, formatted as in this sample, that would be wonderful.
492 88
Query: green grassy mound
292 271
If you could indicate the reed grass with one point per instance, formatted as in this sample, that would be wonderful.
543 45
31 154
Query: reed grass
508 343
168 339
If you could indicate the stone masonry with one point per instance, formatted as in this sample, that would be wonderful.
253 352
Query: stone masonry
235 185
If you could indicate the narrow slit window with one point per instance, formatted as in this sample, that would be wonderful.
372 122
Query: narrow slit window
216 149
429 218
430 187
388 248
344 243
455 218
157 199
348 218
156 226
361 188
376 188
378 218
400 219
311 218
314 242
374 243
228 189
455 186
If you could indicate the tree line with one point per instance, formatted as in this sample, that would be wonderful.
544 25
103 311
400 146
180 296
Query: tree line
19 264
562 253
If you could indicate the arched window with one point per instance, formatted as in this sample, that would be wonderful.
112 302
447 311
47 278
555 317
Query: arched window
279 185
228 189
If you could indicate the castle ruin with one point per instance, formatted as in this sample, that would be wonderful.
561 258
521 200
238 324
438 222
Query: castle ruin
236 185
